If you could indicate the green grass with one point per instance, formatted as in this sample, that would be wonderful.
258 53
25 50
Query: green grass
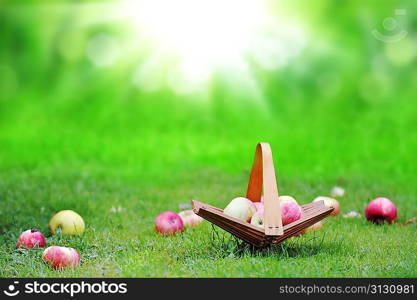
147 165
53 159
125 244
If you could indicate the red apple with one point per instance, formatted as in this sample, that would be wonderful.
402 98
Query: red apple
290 212
61 257
31 238
380 210
190 219
168 223
330 202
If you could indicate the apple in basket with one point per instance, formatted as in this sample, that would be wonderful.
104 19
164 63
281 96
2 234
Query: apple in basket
168 223
240 208
190 219
290 212
330 202
259 206
31 238
286 198
380 210
258 219
61 257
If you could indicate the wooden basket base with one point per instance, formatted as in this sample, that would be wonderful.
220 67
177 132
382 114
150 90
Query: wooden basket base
313 212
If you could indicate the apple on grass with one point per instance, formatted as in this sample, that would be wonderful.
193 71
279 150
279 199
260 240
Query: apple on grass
190 219
68 221
315 227
31 238
61 257
329 202
380 210
240 208
169 223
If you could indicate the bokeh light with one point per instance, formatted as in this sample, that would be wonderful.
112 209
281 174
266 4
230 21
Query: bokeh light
103 50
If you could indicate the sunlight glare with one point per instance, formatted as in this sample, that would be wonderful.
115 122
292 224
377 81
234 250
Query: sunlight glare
205 36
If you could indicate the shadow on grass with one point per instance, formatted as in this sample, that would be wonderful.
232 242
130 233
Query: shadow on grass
227 245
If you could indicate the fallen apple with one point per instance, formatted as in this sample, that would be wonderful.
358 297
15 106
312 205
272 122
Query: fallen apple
240 208
61 257
190 219
329 202
168 223
68 221
258 219
314 227
286 198
290 212
380 210
30 239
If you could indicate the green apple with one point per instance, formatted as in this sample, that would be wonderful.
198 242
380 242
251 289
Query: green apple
68 221
258 219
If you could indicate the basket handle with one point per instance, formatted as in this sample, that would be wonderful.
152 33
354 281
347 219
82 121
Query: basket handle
263 177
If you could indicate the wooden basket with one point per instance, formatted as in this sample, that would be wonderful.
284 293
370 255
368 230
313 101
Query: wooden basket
262 181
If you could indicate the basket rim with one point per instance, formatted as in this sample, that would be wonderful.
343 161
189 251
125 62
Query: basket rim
318 207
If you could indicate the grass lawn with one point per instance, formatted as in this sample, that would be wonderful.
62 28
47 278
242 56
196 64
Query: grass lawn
61 163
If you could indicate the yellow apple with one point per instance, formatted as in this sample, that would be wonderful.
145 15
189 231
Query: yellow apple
330 202
315 227
69 221
190 219
286 198
240 208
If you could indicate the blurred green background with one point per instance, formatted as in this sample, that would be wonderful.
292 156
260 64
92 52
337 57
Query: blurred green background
97 112
344 105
